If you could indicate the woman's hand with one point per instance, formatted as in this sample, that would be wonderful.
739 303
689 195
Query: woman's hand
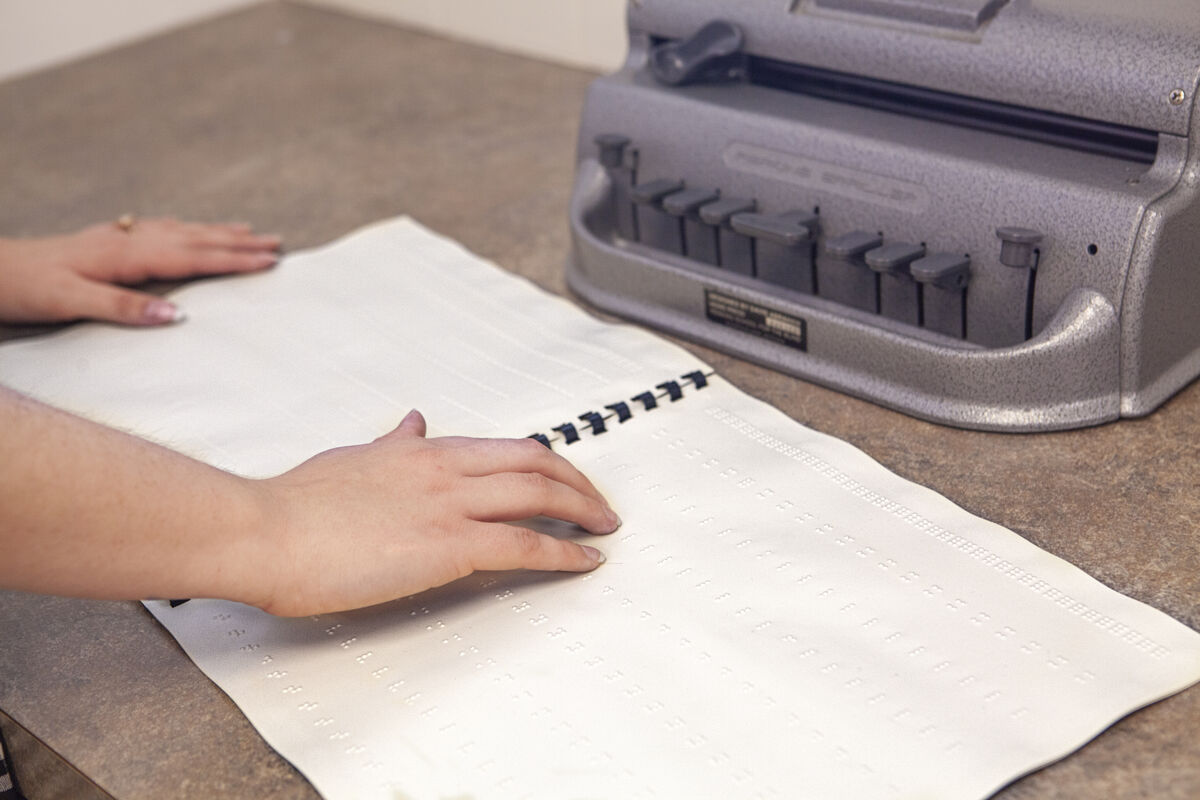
362 525
82 275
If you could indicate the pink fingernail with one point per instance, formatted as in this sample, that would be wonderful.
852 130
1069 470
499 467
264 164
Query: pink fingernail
594 554
160 312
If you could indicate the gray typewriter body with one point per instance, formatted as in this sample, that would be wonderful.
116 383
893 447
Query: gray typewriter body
982 213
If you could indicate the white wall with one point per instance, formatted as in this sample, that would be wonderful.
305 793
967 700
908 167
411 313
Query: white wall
584 33
35 34
41 33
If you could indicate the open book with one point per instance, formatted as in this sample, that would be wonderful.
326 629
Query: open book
779 617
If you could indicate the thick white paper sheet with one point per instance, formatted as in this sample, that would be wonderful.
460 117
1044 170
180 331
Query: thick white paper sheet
780 616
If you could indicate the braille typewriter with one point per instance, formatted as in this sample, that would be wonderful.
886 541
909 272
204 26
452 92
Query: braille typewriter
984 213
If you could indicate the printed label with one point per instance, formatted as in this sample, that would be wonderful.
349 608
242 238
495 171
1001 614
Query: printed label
856 184
757 319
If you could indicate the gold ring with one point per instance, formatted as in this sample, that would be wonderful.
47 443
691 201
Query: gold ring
126 222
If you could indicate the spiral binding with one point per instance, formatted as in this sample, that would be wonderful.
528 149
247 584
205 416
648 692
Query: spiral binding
622 411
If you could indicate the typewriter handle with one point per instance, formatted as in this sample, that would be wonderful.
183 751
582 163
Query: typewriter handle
712 54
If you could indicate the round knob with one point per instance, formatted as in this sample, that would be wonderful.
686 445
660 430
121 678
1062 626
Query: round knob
1016 246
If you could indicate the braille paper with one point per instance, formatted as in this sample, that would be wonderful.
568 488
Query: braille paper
779 617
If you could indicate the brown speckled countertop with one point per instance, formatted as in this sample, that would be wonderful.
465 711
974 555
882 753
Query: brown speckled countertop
310 123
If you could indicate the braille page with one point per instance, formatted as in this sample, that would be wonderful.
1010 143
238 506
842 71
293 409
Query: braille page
779 616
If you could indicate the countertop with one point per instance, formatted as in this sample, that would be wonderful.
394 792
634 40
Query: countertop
310 123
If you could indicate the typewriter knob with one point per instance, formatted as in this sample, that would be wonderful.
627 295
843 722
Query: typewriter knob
612 149
1016 246
711 54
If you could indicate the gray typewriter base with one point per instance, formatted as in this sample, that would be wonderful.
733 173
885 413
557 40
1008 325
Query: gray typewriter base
1058 280
1067 376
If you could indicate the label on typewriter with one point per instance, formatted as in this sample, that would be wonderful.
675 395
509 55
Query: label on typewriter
757 319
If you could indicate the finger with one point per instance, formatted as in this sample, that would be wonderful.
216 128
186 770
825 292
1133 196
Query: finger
229 237
186 261
492 456
164 222
412 425
520 495
102 301
495 546
176 225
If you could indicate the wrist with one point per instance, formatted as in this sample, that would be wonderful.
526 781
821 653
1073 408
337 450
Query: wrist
266 565
245 549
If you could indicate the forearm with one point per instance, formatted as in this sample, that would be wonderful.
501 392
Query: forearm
88 511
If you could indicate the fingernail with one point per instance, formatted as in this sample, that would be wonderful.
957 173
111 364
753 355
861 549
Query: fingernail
266 259
613 519
594 554
160 312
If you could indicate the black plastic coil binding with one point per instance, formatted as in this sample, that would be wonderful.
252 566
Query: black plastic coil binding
622 411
